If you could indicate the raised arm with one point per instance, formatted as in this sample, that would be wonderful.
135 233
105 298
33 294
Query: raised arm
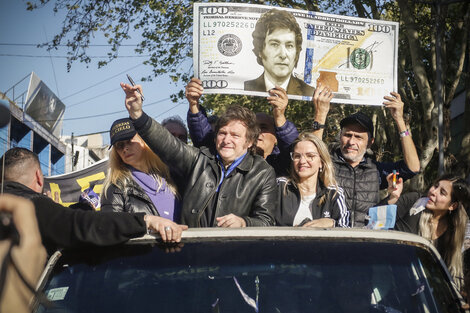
172 151
286 132
278 100
395 106
133 100
193 93
199 128
321 101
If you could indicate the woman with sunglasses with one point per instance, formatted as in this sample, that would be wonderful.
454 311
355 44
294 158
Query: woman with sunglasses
137 180
440 217
310 197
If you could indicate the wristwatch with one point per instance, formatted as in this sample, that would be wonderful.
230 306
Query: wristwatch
317 126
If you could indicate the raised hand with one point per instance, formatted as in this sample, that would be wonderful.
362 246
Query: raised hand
395 106
133 100
193 93
321 101
278 99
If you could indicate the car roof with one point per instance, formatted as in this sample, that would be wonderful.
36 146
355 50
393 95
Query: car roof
330 234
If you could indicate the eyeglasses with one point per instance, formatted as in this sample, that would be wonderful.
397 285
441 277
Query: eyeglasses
308 156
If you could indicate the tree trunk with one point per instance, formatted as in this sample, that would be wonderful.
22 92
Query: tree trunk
429 125
463 165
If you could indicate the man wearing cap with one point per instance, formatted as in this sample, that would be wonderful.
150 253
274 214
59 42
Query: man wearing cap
228 185
360 176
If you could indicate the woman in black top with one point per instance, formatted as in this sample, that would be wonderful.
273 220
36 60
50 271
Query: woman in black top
310 197
440 216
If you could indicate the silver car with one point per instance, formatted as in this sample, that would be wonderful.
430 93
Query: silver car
255 270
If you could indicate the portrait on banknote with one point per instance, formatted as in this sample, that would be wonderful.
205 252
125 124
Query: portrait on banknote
277 42
248 49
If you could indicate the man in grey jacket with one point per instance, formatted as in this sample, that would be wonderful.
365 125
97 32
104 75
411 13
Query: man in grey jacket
226 186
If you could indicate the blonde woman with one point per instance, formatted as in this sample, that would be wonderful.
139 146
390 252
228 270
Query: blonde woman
440 217
137 180
310 197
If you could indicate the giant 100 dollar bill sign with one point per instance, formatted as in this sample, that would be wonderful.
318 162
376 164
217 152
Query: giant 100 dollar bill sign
355 57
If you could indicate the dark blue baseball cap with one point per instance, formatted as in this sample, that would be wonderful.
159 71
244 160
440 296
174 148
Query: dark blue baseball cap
122 129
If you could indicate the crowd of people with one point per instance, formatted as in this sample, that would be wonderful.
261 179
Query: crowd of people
257 170
245 170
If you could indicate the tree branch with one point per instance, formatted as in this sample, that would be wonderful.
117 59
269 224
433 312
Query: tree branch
419 68
458 47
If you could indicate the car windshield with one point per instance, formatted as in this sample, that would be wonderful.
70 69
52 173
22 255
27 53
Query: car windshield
251 276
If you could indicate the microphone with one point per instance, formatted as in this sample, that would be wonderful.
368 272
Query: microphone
4 113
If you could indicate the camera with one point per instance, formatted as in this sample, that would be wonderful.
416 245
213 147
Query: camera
7 228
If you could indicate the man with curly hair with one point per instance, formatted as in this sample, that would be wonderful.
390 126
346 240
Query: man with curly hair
277 41
226 185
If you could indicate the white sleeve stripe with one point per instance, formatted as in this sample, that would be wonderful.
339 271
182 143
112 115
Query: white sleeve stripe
344 212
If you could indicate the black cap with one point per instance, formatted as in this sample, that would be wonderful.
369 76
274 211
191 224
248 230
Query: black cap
122 129
361 119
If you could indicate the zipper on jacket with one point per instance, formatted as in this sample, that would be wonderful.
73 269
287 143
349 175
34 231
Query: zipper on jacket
204 208
207 202
353 211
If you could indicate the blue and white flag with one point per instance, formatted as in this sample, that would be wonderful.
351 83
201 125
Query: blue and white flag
382 217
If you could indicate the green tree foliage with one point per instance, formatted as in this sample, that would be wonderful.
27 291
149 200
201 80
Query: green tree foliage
418 72
166 29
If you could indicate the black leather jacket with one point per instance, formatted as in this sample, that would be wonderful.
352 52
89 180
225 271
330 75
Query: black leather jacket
132 200
249 191
332 206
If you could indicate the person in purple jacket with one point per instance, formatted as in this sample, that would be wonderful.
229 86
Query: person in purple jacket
276 136
137 180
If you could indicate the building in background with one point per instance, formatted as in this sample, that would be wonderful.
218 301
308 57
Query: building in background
36 124
85 151
23 131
